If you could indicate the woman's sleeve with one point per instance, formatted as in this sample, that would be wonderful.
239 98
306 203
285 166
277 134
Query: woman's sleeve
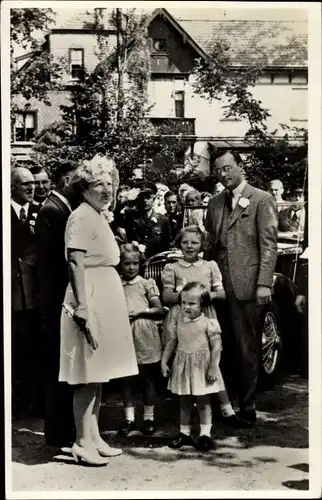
78 232
168 276
216 278
151 289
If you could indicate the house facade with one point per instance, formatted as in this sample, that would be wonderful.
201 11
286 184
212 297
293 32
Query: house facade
280 47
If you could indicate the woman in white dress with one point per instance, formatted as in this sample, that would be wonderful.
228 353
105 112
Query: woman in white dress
96 296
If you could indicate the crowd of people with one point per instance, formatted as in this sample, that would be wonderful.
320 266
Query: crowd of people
84 314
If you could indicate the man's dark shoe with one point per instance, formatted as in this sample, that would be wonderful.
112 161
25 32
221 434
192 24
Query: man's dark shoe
126 428
233 421
148 427
248 418
204 443
180 440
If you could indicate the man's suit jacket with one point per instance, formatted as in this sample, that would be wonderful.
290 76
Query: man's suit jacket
24 271
50 235
285 222
251 240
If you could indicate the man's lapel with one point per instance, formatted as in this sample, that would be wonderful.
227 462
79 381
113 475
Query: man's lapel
238 210
219 211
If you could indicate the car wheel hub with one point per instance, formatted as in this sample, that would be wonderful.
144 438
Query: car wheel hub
271 341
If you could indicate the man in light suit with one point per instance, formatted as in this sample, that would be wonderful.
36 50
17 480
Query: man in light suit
50 233
242 222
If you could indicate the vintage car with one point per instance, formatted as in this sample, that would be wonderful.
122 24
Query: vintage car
280 320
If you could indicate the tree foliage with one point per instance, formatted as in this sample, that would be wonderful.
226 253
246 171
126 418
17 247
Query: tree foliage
108 110
41 73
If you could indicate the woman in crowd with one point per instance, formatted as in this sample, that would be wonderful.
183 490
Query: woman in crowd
194 216
96 337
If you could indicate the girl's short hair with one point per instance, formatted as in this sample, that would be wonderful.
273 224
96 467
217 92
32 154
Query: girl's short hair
130 248
205 299
193 191
194 229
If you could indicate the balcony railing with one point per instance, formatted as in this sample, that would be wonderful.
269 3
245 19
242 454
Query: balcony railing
174 126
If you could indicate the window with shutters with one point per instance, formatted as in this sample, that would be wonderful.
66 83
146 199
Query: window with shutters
76 63
24 129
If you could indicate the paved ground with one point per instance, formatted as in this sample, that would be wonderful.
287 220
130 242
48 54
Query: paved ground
274 455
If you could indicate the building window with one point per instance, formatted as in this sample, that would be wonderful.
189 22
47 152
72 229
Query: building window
299 104
76 63
179 103
24 127
159 45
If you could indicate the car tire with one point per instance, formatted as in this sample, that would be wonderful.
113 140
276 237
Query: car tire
272 346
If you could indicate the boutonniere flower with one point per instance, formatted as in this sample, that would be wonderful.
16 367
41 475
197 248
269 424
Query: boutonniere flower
154 219
243 202
109 216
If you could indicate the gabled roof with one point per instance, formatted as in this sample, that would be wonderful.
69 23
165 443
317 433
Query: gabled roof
271 43
180 28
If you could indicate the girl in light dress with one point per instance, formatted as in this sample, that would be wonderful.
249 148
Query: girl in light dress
175 275
144 306
195 369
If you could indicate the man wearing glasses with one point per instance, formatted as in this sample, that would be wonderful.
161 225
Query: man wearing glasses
24 295
242 222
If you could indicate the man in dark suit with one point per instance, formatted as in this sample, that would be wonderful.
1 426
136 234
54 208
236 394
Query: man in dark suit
50 231
242 222
146 226
292 219
25 336
172 213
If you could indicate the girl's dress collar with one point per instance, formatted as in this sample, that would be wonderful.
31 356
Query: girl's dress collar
184 263
131 282
188 320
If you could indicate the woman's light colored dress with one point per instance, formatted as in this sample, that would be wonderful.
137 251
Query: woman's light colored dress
192 358
138 293
107 313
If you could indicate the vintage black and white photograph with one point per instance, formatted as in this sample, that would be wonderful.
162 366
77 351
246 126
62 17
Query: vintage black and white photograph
159 202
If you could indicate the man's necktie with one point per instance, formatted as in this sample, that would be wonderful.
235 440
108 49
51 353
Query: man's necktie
295 217
229 200
23 216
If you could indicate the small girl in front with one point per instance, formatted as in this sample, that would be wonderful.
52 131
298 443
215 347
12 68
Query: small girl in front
195 367
191 267
143 304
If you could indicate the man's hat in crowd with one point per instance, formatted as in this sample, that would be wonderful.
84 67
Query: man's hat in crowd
146 187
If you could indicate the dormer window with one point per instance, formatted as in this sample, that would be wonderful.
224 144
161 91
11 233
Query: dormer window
159 45
76 63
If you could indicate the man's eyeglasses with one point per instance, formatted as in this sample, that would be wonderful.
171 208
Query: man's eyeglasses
225 168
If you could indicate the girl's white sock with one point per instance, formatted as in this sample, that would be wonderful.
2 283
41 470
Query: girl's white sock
227 410
205 429
185 429
129 413
149 413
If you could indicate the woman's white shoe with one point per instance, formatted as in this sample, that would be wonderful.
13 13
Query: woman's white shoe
107 451
89 456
